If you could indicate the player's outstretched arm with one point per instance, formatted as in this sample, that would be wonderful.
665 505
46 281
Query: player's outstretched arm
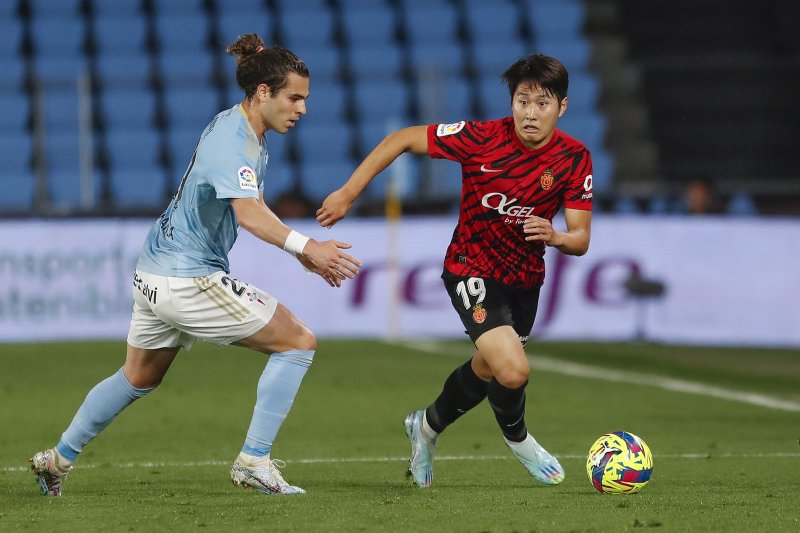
326 259
413 139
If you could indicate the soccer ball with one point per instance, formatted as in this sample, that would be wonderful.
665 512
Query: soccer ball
619 463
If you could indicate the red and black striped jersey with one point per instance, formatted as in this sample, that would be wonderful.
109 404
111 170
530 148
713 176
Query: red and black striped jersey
503 183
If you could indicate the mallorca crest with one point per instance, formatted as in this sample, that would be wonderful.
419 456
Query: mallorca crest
479 314
547 179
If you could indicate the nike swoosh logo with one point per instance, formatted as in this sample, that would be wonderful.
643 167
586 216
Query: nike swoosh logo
485 169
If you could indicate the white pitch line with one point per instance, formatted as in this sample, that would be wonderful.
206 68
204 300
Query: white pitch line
345 460
556 366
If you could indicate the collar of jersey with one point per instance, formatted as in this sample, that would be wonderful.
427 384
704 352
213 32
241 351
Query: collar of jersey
250 129
518 142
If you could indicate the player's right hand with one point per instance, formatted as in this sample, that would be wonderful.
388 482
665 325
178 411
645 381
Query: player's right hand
334 208
329 261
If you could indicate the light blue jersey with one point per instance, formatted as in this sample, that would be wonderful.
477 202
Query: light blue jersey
197 230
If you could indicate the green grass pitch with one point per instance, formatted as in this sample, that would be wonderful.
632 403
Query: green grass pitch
722 461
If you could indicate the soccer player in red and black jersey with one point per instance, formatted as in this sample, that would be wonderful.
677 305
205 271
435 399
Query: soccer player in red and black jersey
517 173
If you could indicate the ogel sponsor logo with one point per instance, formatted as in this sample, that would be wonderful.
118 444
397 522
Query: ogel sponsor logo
505 206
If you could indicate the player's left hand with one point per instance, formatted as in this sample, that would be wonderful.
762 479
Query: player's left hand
538 229
334 208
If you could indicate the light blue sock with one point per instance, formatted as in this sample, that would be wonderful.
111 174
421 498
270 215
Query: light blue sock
277 388
102 405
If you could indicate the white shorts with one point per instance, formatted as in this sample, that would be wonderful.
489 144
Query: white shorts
169 312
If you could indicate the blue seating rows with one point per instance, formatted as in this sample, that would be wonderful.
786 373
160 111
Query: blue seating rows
160 74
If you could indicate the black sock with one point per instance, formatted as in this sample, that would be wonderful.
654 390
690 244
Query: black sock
462 391
509 409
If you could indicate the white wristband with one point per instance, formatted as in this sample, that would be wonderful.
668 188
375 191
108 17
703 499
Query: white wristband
295 243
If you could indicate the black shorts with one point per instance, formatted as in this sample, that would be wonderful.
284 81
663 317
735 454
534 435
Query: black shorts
485 304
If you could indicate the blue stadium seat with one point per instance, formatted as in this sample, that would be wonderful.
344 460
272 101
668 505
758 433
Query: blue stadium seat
63 69
120 34
138 186
125 70
561 18
493 97
186 69
239 6
10 36
18 190
182 142
442 178
15 153
64 187
324 63
404 173
371 133
278 148
492 58
233 23
131 147
358 4
444 99
61 110
625 205
574 53
233 94
8 10
64 170
429 22
661 205
62 150
588 126
488 21
118 8
128 108
382 100
180 7
369 25
179 32
584 91
294 6
602 171
320 178
47 9
444 58
14 108
741 204
55 37
278 179
191 106
304 26
378 61
323 141
326 103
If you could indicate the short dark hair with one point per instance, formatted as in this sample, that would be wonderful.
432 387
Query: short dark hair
543 71
256 65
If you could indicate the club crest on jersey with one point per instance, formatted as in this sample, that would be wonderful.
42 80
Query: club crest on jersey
247 179
449 129
547 179
479 314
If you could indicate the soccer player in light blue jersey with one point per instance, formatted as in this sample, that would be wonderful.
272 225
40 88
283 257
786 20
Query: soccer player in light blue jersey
182 286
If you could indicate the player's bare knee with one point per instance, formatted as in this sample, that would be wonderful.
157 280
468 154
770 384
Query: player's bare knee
306 341
143 379
512 377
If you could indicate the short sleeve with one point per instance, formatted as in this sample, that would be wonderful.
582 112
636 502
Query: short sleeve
450 141
233 175
578 194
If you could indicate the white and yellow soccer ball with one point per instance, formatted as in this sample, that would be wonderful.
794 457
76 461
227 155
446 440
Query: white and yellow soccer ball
619 463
